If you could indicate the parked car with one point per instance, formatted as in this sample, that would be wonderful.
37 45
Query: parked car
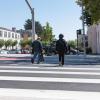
4 52
49 50
25 52
73 51
14 51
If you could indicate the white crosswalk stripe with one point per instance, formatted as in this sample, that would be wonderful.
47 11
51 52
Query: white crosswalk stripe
49 83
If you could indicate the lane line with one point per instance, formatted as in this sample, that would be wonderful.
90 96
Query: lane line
44 79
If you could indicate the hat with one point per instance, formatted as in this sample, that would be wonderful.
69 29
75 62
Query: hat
61 35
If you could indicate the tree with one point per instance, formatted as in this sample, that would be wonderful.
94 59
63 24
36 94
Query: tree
2 42
8 43
23 43
28 24
38 26
47 33
72 43
92 7
14 43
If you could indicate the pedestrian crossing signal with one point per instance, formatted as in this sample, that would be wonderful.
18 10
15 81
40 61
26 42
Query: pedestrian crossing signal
79 32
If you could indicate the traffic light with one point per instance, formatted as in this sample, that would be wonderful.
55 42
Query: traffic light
88 20
79 32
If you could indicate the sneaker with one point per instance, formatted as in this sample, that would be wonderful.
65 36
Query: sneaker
60 64
32 60
38 62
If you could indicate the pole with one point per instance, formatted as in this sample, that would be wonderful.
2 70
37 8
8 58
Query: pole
28 5
33 25
77 43
83 26
33 21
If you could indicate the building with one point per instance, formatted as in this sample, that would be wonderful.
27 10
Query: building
94 38
7 34
26 34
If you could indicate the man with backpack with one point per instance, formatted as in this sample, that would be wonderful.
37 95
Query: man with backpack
61 49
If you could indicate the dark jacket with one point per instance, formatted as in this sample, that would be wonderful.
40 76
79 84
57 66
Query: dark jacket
37 46
61 45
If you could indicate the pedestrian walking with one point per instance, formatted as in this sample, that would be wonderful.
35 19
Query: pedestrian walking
37 51
61 49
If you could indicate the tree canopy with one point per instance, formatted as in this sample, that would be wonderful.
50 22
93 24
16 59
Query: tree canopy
45 32
92 7
2 42
38 26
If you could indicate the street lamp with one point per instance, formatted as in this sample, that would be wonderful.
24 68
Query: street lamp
33 21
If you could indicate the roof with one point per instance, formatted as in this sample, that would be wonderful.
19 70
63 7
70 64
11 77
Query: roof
7 29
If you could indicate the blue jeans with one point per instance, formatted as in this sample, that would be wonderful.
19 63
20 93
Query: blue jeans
37 54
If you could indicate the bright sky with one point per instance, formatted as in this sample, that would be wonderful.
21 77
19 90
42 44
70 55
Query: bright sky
63 15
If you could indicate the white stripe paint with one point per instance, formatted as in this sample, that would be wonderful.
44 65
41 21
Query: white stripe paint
18 67
24 94
70 68
43 79
51 72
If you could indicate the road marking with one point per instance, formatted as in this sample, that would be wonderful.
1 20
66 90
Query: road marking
15 67
48 94
43 79
51 72
39 67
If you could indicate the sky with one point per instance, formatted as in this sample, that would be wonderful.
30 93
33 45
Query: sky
63 15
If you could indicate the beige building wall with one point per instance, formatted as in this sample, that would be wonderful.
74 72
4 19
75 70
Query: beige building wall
98 38
94 38
7 34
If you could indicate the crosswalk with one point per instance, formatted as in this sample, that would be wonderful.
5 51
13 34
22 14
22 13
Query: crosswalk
50 82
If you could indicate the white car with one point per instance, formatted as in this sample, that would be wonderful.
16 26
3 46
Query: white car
4 52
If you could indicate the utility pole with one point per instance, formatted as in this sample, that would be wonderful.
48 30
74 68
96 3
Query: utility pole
78 32
33 21
83 28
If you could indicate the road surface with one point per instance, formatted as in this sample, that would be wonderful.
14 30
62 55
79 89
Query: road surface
49 82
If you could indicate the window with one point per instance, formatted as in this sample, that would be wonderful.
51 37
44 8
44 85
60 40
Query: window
12 35
5 34
0 33
16 36
9 34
